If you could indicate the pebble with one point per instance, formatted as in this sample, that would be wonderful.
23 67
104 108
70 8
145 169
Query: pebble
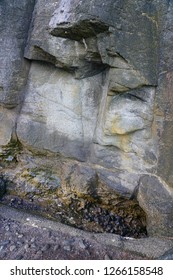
19 243
4 243
26 246
12 248
56 247
39 253
67 242
106 257
45 247
67 248
7 228
82 245
3 255
9 158
1 248
19 257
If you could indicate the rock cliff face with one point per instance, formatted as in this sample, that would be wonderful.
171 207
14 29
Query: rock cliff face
90 83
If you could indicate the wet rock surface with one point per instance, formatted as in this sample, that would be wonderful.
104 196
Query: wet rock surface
94 218
89 217
71 193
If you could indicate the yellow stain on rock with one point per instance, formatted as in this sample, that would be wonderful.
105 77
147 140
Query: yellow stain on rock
151 19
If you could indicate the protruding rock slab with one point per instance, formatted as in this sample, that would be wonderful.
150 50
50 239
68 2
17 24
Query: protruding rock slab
156 199
126 27
15 17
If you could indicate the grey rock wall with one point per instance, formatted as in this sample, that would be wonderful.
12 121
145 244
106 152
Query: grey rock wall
92 81
15 17
105 64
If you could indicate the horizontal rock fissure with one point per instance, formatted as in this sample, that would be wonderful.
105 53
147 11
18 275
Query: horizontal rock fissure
79 30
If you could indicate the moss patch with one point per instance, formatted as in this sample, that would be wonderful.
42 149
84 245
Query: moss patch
9 153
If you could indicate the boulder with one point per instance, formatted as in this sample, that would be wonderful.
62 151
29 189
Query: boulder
156 199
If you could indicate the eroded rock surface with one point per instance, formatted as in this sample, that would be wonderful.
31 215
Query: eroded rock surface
15 19
156 200
89 83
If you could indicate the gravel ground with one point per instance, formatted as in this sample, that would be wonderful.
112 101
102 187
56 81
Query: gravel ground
19 240
31 237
